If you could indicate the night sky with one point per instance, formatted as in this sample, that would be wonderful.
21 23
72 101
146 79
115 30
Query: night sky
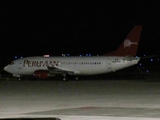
35 28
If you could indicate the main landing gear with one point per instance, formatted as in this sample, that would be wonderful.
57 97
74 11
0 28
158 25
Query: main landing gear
65 78
76 78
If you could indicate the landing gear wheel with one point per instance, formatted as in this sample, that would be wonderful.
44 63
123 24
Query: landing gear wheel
76 78
64 77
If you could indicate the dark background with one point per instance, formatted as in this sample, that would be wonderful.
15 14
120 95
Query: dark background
35 28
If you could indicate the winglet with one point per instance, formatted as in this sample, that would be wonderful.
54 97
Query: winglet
130 44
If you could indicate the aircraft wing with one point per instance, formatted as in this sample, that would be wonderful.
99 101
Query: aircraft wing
58 70
151 56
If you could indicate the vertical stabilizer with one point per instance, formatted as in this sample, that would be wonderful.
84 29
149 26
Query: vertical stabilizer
130 44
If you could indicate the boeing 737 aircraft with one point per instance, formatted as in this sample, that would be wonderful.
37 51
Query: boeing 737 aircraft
44 67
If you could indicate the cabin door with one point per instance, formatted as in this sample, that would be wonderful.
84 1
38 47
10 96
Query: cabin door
20 65
109 65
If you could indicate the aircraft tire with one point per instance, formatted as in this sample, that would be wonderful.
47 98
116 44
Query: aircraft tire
76 78
64 79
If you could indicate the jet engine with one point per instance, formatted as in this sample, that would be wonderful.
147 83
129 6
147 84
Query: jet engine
41 74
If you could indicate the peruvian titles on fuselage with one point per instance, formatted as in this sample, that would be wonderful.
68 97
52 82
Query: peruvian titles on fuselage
40 63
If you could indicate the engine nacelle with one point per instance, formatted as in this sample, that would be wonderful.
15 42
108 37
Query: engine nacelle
41 74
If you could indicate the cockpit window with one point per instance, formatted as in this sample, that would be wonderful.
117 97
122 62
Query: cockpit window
11 63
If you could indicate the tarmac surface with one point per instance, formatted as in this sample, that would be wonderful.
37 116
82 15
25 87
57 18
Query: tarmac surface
83 99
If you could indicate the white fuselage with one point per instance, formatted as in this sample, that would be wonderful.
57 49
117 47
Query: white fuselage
79 65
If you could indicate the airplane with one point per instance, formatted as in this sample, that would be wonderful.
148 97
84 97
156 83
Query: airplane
45 67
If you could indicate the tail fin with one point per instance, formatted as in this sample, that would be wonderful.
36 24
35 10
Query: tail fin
130 44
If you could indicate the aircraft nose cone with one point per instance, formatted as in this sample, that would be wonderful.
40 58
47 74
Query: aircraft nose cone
5 68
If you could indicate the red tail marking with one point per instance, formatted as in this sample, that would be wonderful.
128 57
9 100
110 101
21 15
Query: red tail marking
130 44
